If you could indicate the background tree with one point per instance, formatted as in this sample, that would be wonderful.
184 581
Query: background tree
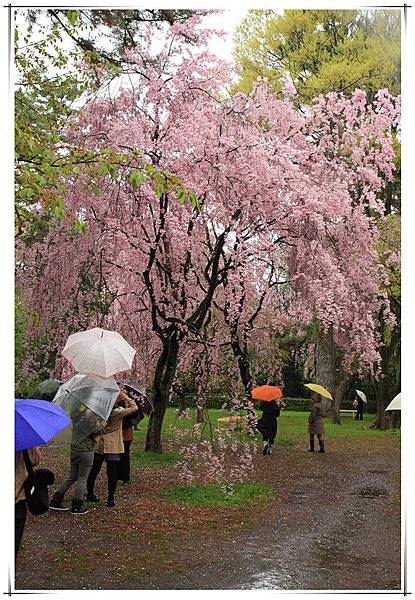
321 51
389 384
318 51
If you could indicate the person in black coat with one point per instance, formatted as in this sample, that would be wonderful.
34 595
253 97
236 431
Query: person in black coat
267 424
359 408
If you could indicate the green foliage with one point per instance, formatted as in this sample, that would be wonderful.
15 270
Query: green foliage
297 404
214 496
389 245
136 178
320 50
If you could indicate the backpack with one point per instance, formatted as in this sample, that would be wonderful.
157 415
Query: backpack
132 419
36 487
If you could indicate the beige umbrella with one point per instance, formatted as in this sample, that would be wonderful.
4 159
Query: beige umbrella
395 404
99 352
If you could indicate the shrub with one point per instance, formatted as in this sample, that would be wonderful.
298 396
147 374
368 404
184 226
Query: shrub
297 404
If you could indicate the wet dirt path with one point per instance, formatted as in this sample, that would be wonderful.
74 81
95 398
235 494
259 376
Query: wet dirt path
333 523
335 529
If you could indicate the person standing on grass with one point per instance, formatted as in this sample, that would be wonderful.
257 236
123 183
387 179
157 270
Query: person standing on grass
316 422
358 405
267 424
110 447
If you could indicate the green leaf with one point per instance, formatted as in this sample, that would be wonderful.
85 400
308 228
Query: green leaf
59 212
193 200
136 178
72 17
102 169
181 195
79 226
27 193
159 190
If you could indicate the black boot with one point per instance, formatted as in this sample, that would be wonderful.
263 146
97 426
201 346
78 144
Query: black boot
112 471
92 498
311 444
321 446
56 502
77 508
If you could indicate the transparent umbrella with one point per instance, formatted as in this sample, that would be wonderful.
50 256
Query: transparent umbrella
88 401
47 389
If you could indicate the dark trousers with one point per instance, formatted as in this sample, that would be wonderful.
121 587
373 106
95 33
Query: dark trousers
124 464
112 475
20 512
268 438
268 430
359 415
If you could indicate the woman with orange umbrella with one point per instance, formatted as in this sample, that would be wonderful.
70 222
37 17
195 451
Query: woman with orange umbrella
267 424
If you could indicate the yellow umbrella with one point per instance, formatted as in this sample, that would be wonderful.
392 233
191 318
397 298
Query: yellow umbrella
319 389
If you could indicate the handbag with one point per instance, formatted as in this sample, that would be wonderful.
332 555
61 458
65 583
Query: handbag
36 487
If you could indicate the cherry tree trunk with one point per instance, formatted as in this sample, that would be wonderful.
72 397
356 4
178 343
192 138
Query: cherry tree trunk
163 380
241 355
243 365
329 373
382 419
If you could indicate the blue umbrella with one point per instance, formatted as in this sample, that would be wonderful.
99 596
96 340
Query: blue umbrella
36 422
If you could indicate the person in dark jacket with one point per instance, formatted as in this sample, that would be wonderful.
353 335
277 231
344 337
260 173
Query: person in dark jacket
316 422
358 404
267 424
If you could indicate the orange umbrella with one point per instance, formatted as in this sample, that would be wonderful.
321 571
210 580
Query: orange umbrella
266 393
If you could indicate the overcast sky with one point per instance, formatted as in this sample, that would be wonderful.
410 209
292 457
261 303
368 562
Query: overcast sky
228 22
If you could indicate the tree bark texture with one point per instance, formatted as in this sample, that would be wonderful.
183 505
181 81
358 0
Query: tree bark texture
163 379
329 372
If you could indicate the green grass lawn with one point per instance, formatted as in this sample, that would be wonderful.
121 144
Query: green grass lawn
291 425
215 496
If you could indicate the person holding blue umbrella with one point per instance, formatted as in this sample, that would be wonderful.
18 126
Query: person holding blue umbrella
35 422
